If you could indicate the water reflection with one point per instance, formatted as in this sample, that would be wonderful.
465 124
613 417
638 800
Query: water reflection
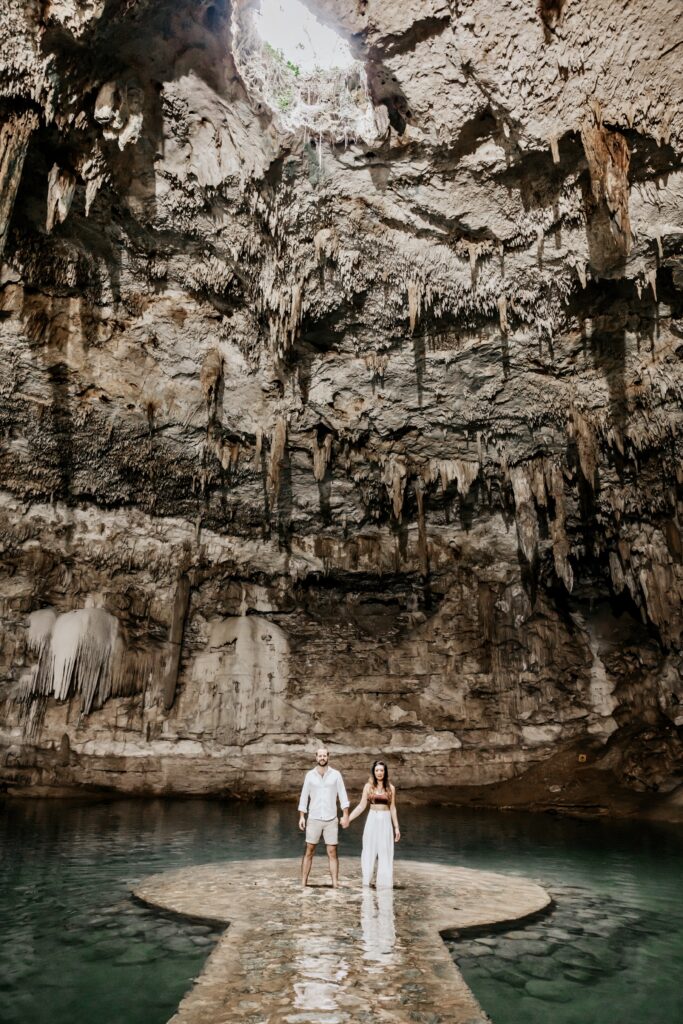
320 965
378 925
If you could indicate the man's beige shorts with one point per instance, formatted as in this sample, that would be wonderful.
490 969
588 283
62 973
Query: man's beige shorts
328 830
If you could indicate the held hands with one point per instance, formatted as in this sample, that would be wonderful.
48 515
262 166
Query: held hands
344 821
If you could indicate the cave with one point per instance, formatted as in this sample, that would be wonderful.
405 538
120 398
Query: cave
340 401
402 382
399 412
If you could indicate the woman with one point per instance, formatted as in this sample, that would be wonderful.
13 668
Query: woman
378 835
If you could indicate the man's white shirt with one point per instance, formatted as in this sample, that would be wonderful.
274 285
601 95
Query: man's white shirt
322 791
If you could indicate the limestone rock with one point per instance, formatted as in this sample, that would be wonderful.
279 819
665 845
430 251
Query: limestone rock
374 440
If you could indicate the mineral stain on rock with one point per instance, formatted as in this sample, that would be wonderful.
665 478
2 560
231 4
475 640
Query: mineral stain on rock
367 436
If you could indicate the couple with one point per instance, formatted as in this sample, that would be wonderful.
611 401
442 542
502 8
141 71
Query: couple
321 789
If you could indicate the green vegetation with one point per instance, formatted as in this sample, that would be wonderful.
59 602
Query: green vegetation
284 100
279 57
325 102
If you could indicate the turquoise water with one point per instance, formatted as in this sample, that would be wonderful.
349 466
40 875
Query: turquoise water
75 948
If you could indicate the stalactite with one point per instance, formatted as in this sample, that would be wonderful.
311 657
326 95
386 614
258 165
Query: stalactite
395 476
278 444
326 242
503 314
608 159
230 456
581 429
616 572
415 295
652 578
463 471
663 135
32 715
61 186
550 11
81 653
258 447
210 378
533 483
581 271
321 457
82 646
75 655
94 171
525 516
674 540
286 305
295 310
377 363
40 625
554 483
535 470
14 139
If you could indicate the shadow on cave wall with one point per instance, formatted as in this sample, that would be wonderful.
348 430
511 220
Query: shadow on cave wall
603 330
62 425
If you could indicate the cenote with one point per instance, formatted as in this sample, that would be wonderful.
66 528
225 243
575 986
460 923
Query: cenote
77 948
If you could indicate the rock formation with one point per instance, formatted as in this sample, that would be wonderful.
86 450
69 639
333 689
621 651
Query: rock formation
371 440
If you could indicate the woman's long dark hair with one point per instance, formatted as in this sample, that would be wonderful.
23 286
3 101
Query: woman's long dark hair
385 780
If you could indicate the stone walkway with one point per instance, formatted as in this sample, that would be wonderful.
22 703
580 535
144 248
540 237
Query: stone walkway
350 956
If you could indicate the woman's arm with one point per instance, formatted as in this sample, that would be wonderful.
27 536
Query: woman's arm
394 815
362 804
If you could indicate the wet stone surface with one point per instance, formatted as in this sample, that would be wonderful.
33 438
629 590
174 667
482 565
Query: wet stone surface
350 956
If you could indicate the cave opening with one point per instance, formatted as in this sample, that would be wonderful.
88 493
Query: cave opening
293 32
303 72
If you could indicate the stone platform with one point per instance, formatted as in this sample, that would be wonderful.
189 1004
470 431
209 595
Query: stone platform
345 956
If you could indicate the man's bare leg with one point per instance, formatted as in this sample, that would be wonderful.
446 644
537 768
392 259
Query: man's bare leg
334 865
306 863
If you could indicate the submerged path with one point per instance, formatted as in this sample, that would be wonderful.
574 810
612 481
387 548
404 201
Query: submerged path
345 956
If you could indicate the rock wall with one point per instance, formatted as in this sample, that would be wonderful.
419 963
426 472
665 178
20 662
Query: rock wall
371 442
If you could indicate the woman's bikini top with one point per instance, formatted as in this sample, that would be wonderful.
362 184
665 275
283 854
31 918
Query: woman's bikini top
379 798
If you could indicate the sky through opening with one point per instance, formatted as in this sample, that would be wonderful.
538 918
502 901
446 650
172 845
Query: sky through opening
289 26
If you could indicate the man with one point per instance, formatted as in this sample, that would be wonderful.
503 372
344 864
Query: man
321 789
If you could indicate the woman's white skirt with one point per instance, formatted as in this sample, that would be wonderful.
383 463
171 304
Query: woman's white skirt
378 846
